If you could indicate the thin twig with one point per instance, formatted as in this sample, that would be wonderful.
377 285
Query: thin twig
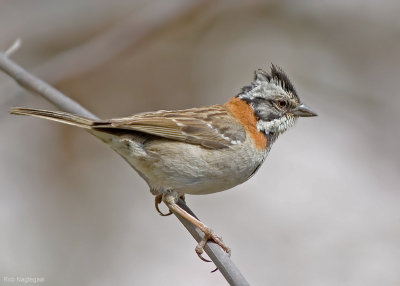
36 85
32 83
13 48
127 34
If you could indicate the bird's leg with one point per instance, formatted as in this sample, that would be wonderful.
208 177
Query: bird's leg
170 200
157 201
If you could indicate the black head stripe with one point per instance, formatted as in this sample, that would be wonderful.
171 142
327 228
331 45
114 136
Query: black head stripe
280 76
276 75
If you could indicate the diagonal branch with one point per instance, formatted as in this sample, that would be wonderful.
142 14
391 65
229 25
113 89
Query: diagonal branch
41 88
38 86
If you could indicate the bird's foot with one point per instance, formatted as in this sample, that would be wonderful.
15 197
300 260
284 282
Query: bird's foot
210 235
170 201
157 202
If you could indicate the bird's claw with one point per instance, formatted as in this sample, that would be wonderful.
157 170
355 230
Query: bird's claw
157 201
210 235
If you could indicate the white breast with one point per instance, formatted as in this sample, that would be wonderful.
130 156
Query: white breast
186 168
192 169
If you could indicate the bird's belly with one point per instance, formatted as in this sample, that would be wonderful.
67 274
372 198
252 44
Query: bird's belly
191 169
186 168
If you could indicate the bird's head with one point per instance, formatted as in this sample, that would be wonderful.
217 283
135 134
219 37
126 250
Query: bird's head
275 101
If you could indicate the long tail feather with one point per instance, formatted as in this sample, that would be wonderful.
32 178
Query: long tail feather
59 116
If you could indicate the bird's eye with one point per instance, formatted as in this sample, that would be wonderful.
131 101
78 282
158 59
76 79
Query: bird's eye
282 103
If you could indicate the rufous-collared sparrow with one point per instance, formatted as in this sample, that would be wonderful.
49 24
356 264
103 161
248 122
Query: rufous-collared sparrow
200 150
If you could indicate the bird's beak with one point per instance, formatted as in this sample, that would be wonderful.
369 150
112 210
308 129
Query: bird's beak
303 111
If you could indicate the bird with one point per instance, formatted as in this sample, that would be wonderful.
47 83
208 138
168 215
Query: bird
199 150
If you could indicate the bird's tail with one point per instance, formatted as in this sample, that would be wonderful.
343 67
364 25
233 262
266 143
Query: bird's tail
63 117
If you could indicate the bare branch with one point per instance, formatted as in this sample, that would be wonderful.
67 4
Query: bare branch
36 85
32 83
13 48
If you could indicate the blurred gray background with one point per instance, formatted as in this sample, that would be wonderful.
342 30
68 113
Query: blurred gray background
323 209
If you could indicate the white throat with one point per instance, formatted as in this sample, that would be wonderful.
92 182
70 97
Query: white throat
277 126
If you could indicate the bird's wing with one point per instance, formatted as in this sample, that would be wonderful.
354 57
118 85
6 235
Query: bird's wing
211 127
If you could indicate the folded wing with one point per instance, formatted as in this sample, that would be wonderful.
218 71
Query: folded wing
211 127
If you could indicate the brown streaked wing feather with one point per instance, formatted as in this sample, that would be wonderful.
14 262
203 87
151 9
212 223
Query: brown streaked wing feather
211 127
